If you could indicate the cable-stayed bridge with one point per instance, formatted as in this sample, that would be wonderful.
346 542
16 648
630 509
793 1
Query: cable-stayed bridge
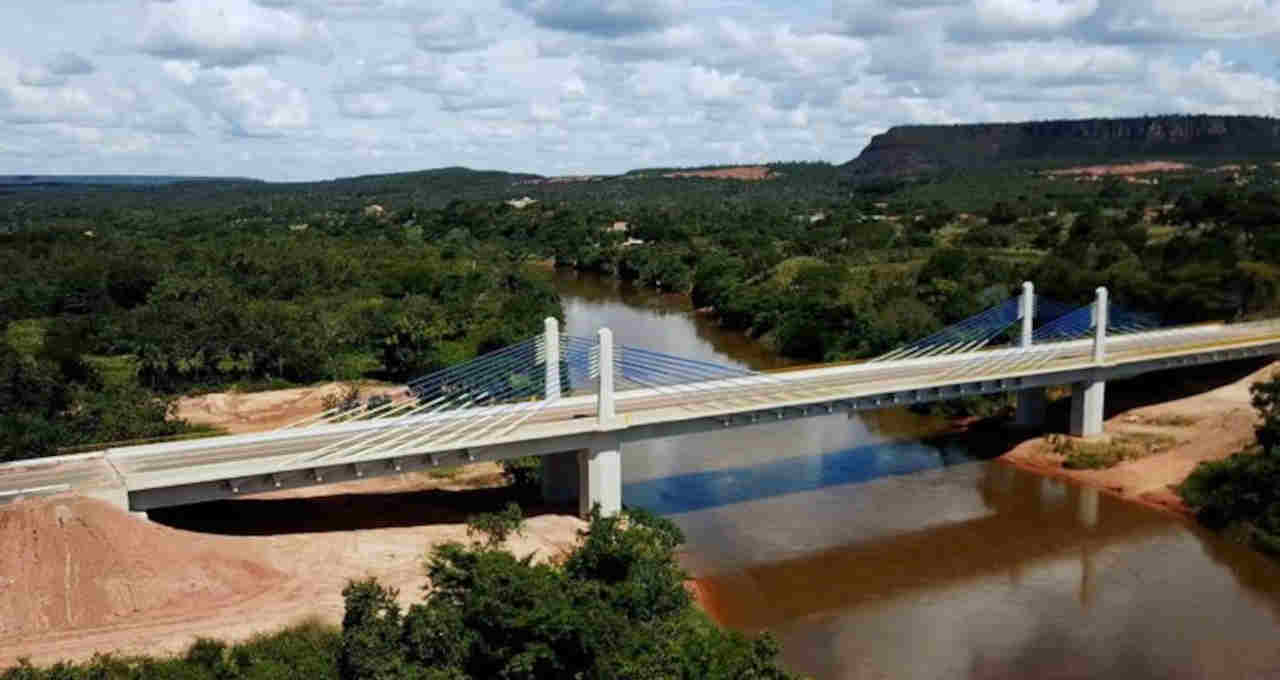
576 401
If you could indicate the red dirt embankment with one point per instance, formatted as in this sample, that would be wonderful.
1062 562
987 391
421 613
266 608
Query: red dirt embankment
1121 169
79 577
78 563
750 173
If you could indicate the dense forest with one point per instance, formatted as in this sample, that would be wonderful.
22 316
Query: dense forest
118 299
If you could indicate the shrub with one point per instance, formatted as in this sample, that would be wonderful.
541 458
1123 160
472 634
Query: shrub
1241 493
524 473
495 527
617 608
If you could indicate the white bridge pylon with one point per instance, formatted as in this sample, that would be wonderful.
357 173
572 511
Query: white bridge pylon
489 397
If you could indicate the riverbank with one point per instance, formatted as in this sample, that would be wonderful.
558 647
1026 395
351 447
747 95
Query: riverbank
1197 428
80 577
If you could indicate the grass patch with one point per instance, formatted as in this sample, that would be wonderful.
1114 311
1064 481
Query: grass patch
115 370
1089 455
1172 420
27 335
445 473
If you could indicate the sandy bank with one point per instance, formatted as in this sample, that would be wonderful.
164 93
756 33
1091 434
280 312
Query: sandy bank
1206 426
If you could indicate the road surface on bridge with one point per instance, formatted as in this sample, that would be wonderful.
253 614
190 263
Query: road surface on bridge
649 410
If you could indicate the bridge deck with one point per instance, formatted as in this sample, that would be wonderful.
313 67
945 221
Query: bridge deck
655 411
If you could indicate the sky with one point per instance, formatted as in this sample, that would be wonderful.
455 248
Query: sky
315 89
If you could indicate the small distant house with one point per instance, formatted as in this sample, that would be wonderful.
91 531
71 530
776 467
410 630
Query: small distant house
521 203
618 227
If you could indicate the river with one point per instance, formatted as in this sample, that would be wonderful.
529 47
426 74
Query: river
871 553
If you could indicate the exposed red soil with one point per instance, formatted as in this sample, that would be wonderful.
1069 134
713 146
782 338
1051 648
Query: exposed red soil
1121 169
78 563
258 411
745 172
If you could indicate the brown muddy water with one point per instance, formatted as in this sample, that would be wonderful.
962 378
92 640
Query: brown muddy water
871 551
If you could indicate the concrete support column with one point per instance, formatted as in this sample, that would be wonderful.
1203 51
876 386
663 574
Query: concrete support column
1100 309
1027 312
600 475
604 400
551 357
1032 404
560 477
1086 408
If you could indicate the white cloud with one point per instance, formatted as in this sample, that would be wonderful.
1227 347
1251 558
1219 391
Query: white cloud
1174 20
1046 63
69 64
229 32
250 102
450 32
369 105
588 86
31 94
1212 85
1032 16
602 17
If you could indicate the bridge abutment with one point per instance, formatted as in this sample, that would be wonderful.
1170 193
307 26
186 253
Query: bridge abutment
1086 408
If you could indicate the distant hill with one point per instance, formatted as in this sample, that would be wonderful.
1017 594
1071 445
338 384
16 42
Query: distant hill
913 149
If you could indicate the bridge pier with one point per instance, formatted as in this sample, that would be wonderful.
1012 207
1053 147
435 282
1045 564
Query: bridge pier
1031 402
1086 408
600 477
1087 396
591 476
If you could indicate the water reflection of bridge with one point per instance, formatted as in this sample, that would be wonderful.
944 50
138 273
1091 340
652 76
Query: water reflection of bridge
1036 519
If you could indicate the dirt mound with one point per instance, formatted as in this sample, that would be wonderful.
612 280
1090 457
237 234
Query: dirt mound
79 577
77 563
257 411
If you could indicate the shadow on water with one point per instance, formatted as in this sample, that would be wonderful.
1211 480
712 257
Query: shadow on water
344 512
713 488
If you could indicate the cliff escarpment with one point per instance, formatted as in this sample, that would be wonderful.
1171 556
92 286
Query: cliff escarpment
912 149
